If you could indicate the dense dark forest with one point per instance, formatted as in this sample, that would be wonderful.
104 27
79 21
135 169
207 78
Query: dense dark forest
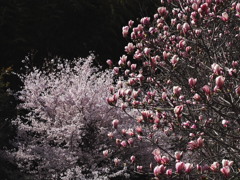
44 29
65 28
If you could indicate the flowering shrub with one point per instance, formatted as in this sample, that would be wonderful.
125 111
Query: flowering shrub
64 133
181 74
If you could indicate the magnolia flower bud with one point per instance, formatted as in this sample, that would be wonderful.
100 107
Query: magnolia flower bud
116 70
115 123
197 97
169 172
105 153
220 81
185 28
124 144
109 62
132 158
206 89
130 23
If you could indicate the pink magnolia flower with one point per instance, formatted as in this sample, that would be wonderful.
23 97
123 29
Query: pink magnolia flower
132 158
226 162
139 168
215 166
180 166
174 60
169 172
125 30
116 161
110 135
116 70
225 123
158 158
147 51
164 95
200 141
112 100
139 129
109 62
225 16
124 144
206 89
225 171
185 27
220 81
130 141
105 153
145 20
133 67
130 23
165 160
177 90
192 82
156 152
115 123
192 145
188 167
216 69
178 110
162 11
159 170
178 155
197 97
129 48
195 6
237 90
235 63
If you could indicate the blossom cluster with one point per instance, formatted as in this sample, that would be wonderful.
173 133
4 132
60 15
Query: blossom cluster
181 73
67 119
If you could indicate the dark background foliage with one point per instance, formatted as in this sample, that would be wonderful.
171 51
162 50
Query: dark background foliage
67 28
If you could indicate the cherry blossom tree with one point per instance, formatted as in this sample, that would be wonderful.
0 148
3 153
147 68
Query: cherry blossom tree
64 132
181 74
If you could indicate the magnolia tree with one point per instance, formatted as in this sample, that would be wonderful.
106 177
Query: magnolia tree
67 120
181 74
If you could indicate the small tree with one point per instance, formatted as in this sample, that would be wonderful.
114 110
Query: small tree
64 132
181 73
